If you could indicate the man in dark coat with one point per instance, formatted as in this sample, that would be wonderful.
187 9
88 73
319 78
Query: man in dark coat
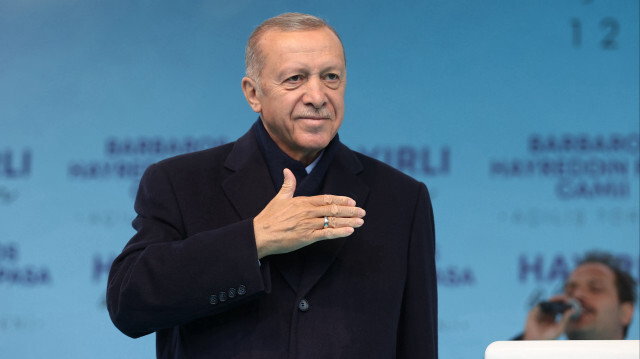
258 248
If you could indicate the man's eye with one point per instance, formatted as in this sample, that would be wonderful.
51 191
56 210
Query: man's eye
332 80
295 78
332 77
596 289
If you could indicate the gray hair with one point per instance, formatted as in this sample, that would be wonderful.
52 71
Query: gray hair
254 57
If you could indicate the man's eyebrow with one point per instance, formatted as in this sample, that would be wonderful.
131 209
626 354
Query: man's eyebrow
333 65
591 281
297 68
596 281
333 69
302 68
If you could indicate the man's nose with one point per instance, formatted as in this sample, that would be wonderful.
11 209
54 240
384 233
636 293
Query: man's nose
314 94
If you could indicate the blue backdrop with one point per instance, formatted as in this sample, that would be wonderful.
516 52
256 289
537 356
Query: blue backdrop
520 116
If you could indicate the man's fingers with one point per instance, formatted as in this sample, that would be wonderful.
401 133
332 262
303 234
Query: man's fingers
332 233
327 199
558 297
337 211
566 317
338 222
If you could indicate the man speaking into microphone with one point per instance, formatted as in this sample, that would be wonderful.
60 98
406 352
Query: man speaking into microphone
597 304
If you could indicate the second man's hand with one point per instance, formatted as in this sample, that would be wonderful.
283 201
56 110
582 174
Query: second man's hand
287 223
544 326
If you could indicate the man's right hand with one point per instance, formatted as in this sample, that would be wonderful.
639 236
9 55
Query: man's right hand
543 326
287 223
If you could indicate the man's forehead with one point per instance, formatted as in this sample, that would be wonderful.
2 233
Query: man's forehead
592 272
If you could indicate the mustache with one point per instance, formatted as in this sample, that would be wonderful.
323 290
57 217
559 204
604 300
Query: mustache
322 112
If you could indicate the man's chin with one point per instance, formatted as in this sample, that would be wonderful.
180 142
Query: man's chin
580 333
314 141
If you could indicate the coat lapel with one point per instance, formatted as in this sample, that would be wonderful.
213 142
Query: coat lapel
341 179
249 188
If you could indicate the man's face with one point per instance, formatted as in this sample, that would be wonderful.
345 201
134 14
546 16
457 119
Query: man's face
300 96
603 316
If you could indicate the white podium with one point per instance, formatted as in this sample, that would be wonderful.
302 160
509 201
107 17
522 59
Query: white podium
564 349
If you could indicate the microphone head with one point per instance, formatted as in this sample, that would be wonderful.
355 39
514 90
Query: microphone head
577 308
558 307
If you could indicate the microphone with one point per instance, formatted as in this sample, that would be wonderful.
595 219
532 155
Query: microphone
558 307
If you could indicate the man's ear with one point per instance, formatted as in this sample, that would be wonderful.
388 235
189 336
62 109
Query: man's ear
626 313
250 89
